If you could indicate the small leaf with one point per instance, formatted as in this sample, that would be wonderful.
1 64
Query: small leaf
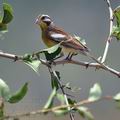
95 93
4 90
8 13
61 111
71 102
116 29
50 100
28 57
52 52
19 95
35 64
1 17
52 49
85 113
54 79
6 18
3 27
61 98
117 97
117 15
1 110
116 32
117 100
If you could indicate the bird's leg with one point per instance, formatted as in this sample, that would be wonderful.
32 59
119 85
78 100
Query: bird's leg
73 54
70 55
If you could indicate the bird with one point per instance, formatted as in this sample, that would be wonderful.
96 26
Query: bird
52 35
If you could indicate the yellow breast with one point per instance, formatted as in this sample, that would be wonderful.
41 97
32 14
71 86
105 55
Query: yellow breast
48 42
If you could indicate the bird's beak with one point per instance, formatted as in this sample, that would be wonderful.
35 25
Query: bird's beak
37 21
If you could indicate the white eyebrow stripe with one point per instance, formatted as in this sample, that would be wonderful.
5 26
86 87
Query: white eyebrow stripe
57 36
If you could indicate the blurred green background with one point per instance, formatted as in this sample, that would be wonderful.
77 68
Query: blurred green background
86 18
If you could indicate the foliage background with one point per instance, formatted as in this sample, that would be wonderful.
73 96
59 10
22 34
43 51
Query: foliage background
88 19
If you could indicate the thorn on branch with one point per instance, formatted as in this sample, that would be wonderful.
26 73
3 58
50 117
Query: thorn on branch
87 65
16 58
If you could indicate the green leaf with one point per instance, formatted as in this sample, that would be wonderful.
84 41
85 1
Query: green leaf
4 90
85 113
35 64
50 100
52 49
3 27
55 79
8 13
1 17
61 111
117 100
117 97
6 18
95 93
32 63
1 110
52 52
28 57
71 102
117 15
19 95
116 29
61 98
116 32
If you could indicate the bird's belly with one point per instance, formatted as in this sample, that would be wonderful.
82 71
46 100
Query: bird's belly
66 50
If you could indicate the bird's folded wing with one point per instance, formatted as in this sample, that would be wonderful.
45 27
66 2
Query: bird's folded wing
67 41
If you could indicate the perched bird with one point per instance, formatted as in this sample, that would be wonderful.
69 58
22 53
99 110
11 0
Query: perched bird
52 35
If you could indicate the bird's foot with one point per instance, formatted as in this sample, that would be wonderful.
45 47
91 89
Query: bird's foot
70 55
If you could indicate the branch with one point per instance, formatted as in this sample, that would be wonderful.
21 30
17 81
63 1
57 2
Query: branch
10 56
87 64
63 92
110 32
83 102
58 62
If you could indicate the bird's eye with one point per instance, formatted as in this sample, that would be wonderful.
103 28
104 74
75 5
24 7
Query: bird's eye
43 18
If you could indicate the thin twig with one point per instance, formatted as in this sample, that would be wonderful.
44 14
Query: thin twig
83 102
110 32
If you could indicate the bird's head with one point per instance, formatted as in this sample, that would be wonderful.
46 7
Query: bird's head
43 21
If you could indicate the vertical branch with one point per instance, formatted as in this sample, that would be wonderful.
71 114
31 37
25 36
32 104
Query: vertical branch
110 32
65 96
